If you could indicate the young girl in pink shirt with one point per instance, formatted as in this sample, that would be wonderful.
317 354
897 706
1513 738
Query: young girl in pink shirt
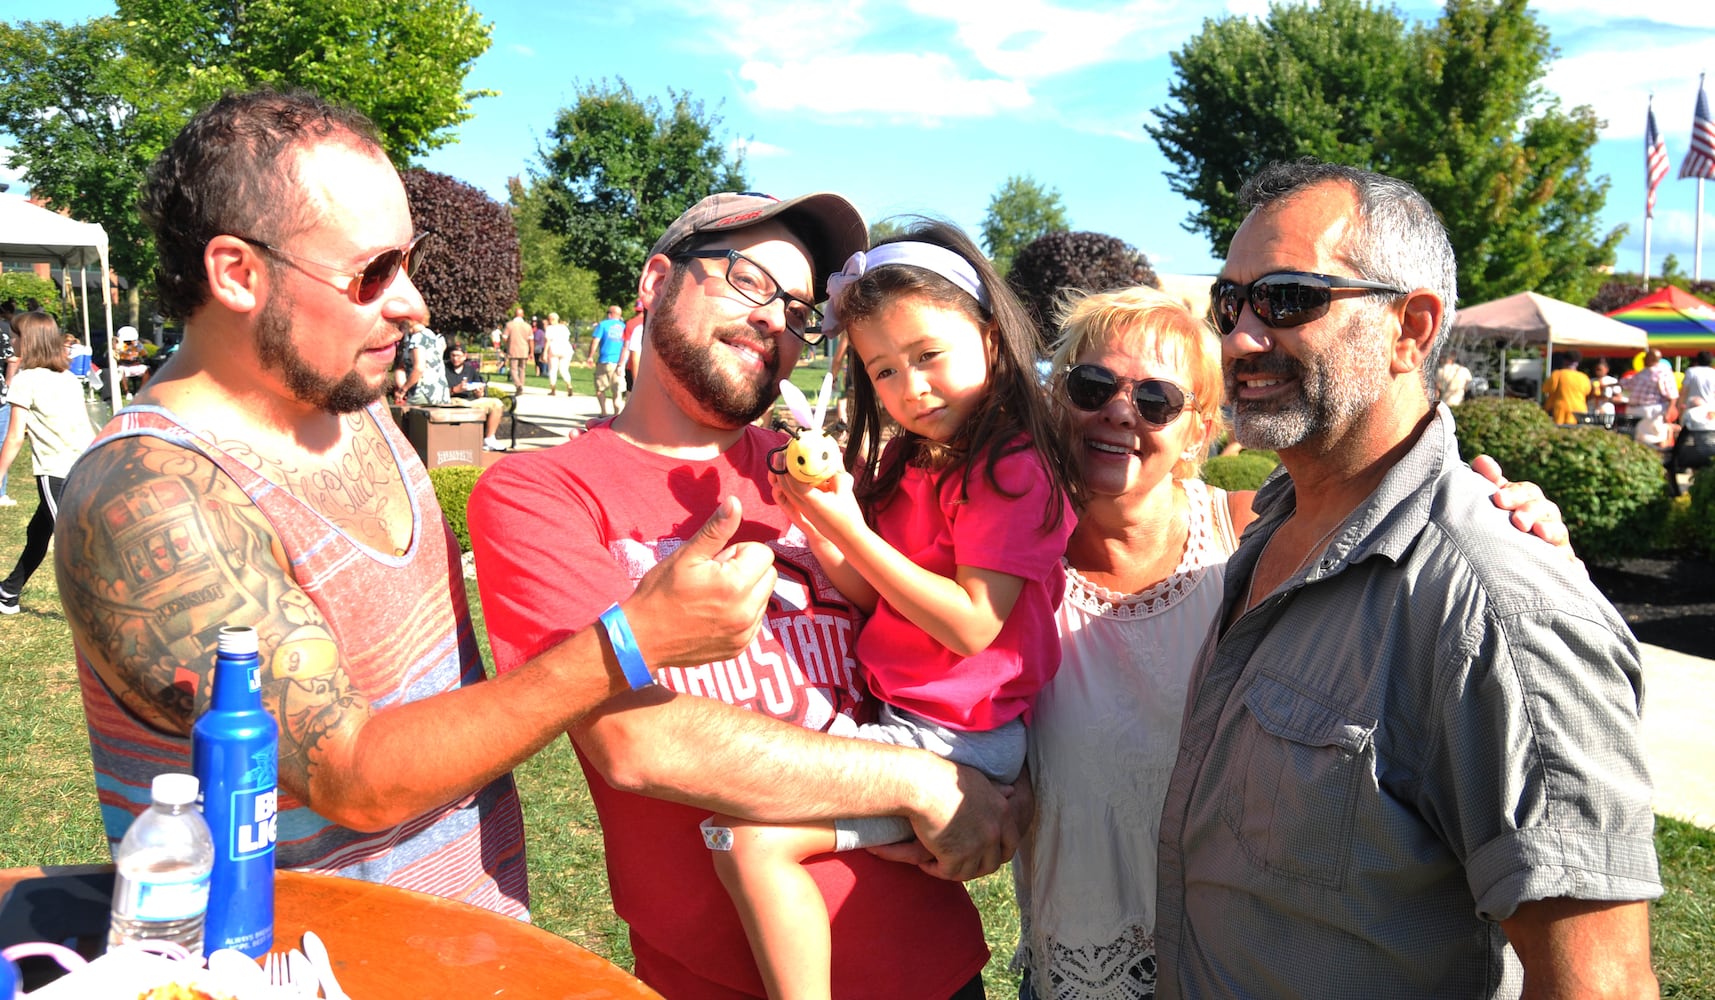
951 539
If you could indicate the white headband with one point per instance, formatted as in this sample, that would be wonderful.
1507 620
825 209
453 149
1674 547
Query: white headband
928 256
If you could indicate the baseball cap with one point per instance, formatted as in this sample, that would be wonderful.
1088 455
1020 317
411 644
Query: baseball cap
831 227
125 333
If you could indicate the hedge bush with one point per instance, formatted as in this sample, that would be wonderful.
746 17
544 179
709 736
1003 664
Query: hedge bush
1700 517
1611 490
1243 471
22 286
453 484
1504 429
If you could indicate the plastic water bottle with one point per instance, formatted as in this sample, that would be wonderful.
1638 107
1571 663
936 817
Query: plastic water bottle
161 892
235 747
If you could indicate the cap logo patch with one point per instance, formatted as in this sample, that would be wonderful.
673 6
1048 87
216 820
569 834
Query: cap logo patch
733 220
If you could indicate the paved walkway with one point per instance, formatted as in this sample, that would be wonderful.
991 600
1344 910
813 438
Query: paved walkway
560 415
1679 697
1679 690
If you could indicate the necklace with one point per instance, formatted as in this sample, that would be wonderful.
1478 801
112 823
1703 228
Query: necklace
1315 550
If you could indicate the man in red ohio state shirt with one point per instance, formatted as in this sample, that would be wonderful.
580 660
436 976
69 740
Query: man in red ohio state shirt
562 534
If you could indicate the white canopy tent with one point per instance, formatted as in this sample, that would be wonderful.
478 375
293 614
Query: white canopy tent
1528 318
31 234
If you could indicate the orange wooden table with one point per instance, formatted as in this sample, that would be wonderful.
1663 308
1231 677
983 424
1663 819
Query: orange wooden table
386 942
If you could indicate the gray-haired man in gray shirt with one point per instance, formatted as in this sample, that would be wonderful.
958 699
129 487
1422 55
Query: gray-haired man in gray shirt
1410 762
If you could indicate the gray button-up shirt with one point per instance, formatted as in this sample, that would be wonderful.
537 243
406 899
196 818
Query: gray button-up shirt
1435 722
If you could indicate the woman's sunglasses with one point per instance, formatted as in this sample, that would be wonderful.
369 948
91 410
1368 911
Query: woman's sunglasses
373 280
1158 401
1284 298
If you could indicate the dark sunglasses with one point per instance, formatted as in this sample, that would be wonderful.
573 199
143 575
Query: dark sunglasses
1284 298
1158 401
367 284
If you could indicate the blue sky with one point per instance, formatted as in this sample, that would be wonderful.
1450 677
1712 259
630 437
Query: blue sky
927 106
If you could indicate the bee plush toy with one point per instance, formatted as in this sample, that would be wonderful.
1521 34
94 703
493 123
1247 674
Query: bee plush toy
811 457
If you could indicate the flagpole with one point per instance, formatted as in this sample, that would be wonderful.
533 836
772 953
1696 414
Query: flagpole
1697 238
1647 221
1655 168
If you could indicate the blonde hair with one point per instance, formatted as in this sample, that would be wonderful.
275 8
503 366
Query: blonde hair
1104 318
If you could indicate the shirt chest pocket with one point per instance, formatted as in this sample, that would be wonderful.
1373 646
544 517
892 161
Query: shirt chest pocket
1298 766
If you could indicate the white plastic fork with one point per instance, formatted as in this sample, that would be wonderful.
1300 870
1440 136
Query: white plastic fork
279 968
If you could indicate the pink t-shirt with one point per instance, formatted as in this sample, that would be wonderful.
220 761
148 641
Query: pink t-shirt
1006 531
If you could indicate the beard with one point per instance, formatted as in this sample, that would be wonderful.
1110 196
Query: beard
729 400
279 352
1333 390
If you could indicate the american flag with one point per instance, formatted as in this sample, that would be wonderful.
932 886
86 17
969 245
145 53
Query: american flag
1655 161
1700 159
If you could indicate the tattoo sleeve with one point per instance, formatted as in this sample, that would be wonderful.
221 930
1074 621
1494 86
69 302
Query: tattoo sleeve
156 550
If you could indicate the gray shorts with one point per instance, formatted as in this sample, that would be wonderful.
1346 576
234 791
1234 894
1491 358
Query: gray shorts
997 753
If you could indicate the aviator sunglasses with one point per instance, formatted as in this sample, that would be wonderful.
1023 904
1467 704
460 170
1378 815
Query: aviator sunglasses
367 284
1284 298
1158 401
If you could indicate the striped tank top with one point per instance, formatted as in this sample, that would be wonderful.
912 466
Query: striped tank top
403 626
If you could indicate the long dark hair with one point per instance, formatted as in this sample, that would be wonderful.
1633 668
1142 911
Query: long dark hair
1014 414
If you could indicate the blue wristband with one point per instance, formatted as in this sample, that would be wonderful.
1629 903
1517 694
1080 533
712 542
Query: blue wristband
625 648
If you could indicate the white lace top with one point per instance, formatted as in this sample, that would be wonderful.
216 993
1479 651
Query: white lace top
1102 747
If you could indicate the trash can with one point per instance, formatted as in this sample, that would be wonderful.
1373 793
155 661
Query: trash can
445 435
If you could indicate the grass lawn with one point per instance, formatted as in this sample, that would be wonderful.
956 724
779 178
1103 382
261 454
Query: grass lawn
48 813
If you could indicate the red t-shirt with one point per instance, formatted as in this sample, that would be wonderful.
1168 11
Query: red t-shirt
560 535
941 528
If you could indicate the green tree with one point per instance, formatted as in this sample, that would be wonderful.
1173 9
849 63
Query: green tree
88 106
401 63
550 284
885 229
1454 107
82 128
1019 212
618 169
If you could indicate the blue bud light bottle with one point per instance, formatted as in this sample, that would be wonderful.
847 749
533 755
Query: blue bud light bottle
235 747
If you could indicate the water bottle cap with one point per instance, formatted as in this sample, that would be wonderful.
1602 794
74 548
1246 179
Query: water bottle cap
237 640
174 789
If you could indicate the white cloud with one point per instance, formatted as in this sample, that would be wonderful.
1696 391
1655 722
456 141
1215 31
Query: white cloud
934 59
753 149
1033 39
1676 13
524 50
927 86
1618 82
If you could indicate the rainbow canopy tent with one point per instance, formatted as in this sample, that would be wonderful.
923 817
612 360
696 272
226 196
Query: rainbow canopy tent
1675 321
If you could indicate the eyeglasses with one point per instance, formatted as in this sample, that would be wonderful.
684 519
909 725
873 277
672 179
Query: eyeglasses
367 284
1284 298
755 285
1158 401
